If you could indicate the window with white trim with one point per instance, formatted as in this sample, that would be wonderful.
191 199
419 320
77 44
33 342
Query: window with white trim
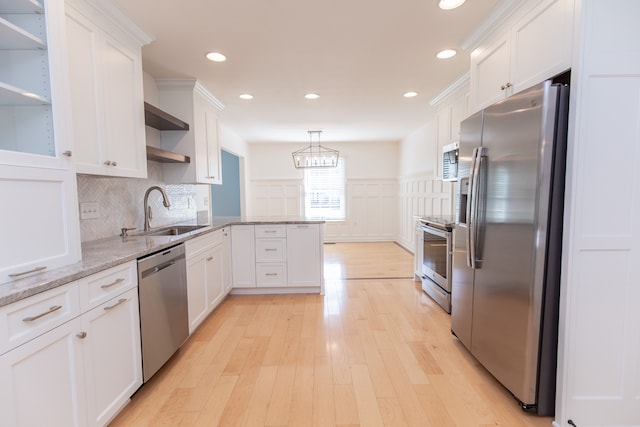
324 192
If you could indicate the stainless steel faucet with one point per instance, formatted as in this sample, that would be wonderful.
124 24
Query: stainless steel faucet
147 208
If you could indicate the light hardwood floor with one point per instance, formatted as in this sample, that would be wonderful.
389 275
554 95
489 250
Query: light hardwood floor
374 351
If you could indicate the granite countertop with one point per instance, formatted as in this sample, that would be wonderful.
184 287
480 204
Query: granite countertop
98 255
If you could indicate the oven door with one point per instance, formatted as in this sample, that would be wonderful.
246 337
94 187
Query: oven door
436 259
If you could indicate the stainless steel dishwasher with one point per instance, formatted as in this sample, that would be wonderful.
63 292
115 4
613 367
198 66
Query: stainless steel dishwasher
164 319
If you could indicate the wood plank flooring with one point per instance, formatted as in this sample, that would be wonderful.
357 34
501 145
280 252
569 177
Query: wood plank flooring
374 351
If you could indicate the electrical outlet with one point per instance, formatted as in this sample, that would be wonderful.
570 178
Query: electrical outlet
89 210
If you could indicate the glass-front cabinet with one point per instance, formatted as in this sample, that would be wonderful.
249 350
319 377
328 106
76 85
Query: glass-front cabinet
39 216
33 114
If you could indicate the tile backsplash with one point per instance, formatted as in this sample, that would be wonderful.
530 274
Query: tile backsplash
120 203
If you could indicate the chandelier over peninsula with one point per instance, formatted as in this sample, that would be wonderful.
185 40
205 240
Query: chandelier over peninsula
315 155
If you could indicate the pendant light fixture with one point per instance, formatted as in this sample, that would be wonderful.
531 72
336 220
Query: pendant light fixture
315 155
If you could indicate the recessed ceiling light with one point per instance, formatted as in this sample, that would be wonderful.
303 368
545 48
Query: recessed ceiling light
246 96
216 57
450 4
410 94
312 96
446 53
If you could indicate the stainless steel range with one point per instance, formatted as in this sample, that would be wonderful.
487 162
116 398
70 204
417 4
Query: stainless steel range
436 259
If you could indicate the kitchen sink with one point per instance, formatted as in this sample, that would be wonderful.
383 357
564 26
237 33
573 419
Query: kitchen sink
175 230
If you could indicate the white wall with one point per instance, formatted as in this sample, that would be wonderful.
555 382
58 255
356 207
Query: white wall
371 172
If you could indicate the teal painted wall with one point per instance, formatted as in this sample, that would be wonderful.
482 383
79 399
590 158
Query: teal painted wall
225 198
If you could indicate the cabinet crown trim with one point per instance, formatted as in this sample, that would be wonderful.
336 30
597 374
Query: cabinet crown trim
494 22
442 96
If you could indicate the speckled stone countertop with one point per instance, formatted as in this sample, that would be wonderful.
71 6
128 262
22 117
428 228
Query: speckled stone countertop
105 253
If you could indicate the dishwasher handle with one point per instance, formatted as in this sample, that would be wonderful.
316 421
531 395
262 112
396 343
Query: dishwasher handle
157 268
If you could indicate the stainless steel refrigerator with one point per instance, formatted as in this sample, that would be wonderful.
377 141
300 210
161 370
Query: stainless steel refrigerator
507 240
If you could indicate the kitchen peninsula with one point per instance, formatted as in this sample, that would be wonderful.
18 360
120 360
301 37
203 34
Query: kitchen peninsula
74 332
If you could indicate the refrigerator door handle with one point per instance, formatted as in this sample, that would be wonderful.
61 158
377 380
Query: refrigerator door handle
474 188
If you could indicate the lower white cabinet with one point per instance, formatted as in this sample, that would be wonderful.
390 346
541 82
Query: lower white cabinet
205 276
112 359
227 282
77 373
42 382
243 256
304 255
277 256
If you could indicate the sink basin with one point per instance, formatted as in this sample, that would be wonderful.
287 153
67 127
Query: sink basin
175 230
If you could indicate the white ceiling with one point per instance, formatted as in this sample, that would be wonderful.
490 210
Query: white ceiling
360 56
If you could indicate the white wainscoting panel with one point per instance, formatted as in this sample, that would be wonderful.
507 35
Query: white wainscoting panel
421 195
371 213
278 198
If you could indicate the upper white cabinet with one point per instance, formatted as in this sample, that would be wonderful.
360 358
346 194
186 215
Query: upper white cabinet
193 103
34 113
41 228
536 46
105 67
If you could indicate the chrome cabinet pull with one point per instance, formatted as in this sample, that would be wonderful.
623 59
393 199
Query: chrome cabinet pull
36 317
27 272
82 335
114 164
270 249
120 301
107 162
68 153
271 274
112 284
210 258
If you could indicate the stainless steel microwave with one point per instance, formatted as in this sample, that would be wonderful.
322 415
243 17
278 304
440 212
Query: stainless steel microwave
450 162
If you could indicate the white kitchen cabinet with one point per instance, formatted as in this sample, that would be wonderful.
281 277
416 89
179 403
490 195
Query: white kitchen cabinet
105 67
34 112
205 276
243 256
42 382
112 356
304 255
535 47
37 175
41 228
192 102
418 250
71 359
227 281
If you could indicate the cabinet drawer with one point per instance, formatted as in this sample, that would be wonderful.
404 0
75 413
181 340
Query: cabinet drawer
33 316
271 274
102 286
271 250
271 231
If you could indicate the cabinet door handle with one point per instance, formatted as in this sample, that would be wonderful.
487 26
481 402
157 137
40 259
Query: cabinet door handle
302 226
37 316
27 272
107 162
68 153
120 301
269 231
210 177
210 258
506 86
271 249
114 164
271 274
112 284
82 335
